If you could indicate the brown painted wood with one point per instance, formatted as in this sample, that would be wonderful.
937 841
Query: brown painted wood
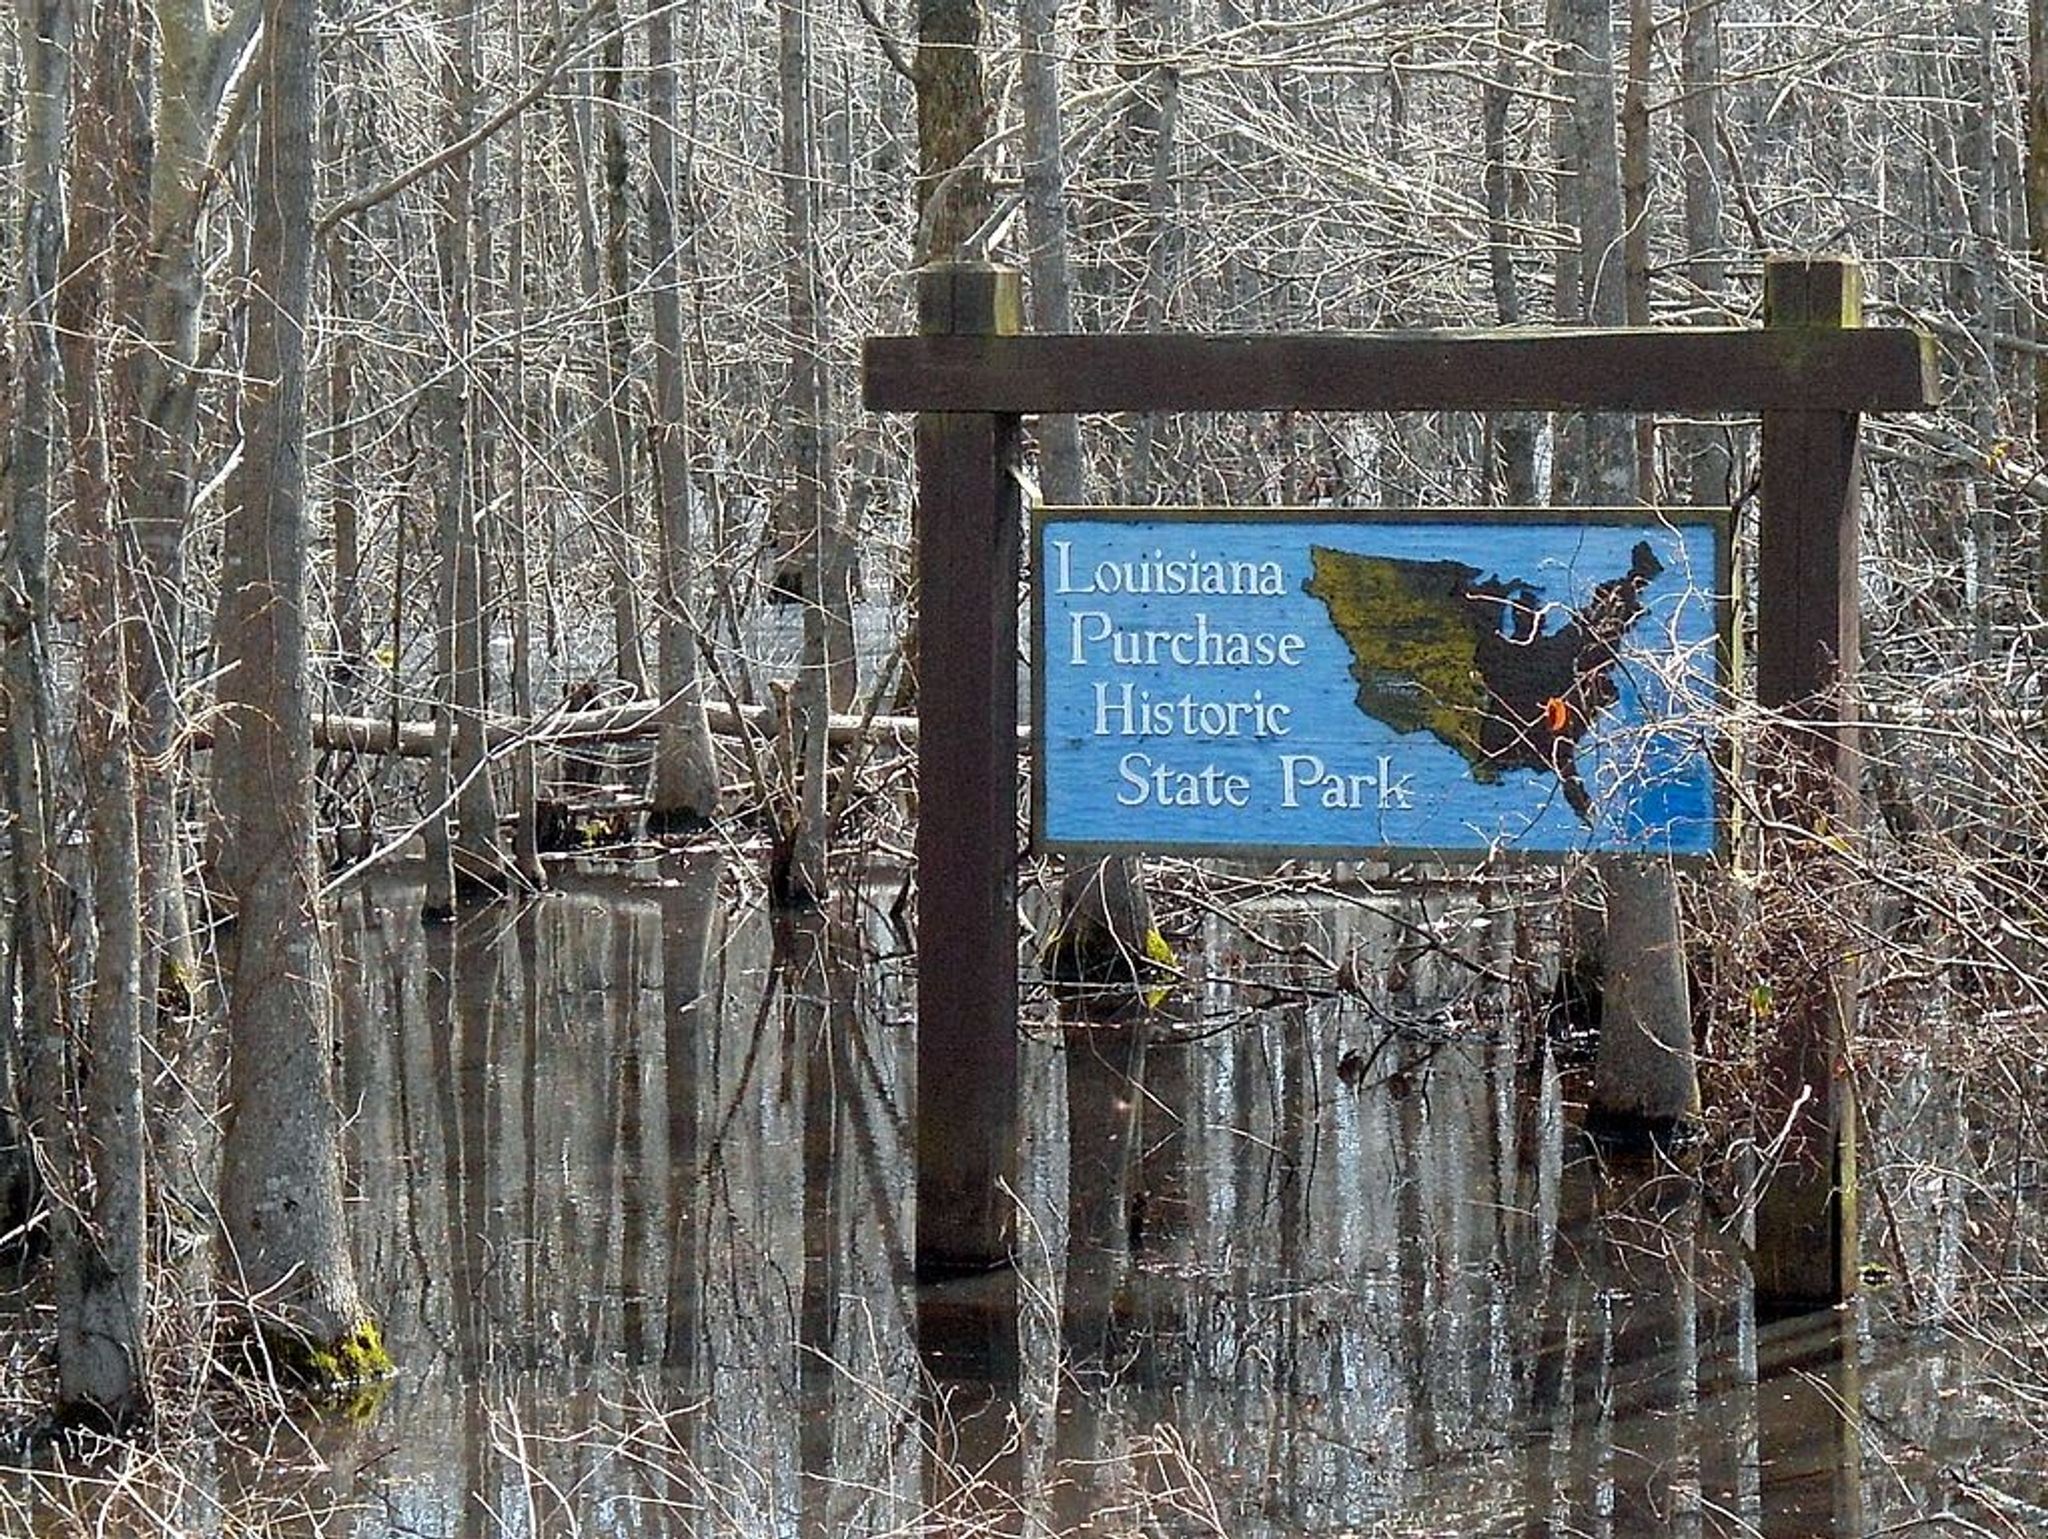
1811 371
1693 369
1807 547
967 804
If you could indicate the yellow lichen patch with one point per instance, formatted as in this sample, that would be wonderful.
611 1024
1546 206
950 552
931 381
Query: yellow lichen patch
356 1360
1093 967
1164 962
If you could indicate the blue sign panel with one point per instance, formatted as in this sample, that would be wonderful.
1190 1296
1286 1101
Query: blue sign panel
1335 683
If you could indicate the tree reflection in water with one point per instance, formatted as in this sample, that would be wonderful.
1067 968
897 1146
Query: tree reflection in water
633 1189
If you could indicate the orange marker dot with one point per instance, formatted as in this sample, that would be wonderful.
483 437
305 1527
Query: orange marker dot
1556 715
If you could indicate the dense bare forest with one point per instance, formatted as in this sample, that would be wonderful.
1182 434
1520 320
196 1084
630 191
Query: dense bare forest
433 442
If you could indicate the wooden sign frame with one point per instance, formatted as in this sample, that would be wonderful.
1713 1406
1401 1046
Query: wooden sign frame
1811 370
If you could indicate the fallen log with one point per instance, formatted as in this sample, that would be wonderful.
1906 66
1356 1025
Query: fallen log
608 724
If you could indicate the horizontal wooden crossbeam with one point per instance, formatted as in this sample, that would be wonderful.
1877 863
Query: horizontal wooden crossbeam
1693 369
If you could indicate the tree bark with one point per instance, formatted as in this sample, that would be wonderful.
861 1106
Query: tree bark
102 1375
158 400
615 412
1514 433
46 902
349 671
517 537
1152 124
813 455
1099 941
1645 1017
685 773
953 119
1705 459
477 864
952 200
1635 213
281 1180
1045 221
1644 1075
1592 166
2036 184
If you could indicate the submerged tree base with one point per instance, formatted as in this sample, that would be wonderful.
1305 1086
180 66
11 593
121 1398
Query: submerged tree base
351 1362
565 826
92 1418
676 823
1096 982
1631 1133
1105 952
796 877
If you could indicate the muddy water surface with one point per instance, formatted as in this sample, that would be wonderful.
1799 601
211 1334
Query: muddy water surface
633 1177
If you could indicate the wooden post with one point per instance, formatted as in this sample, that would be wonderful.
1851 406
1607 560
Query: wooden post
967 798
1811 370
1807 640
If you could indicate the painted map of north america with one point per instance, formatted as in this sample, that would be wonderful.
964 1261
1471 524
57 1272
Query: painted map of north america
1481 663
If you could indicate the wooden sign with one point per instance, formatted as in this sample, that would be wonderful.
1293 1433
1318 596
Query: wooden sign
1286 682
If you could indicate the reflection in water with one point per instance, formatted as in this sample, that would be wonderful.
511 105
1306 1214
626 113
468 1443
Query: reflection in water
633 1189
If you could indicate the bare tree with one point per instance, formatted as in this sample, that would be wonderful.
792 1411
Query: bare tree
685 774
813 443
1104 923
101 1335
93 1190
200 58
1704 449
611 285
951 195
1514 456
280 1189
475 863
1645 1072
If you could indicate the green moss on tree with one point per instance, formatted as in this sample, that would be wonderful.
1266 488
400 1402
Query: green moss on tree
356 1359
1105 949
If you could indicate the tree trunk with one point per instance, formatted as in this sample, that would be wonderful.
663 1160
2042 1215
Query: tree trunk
1704 455
1514 433
1635 213
477 864
517 537
953 117
154 424
102 1377
813 453
952 199
1095 940
615 411
1152 124
1645 1018
1977 154
350 671
685 773
45 921
1045 221
1644 1078
2037 241
157 391
344 472
1606 462
281 1182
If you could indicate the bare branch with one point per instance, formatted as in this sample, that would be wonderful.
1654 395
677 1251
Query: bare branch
552 55
886 40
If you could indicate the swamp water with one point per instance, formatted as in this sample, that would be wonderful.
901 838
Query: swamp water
632 1173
